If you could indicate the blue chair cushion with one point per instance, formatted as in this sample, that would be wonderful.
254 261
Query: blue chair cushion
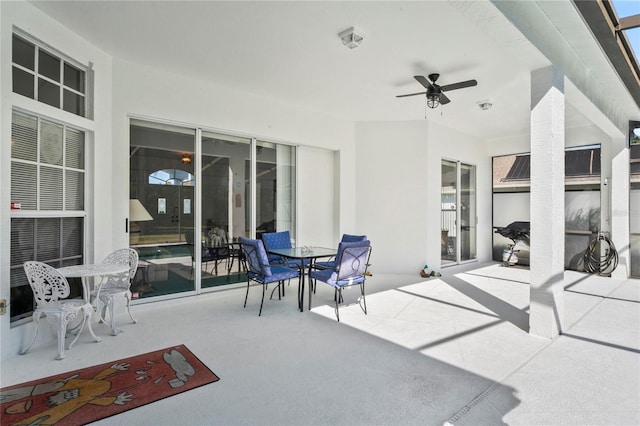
325 264
348 238
276 240
330 276
280 240
331 264
349 276
280 273
274 259
256 255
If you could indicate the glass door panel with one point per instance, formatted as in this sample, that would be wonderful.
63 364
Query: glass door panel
448 214
467 212
224 201
275 188
634 203
458 212
161 208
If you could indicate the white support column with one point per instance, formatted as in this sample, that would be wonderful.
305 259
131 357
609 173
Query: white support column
620 202
547 202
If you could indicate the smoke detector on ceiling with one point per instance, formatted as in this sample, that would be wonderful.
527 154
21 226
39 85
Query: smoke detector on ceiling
351 37
485 105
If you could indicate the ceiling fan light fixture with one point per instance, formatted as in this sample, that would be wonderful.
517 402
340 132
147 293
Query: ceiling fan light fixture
433 96
351 37
433 101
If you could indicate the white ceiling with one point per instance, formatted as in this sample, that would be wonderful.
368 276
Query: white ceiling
290 51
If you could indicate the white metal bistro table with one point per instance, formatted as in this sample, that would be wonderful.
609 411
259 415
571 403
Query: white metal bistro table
91 270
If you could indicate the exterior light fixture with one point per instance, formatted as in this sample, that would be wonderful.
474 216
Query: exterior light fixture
186 159
351 37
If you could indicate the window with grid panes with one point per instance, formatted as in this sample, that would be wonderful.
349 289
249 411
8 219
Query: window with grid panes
46 77
48 185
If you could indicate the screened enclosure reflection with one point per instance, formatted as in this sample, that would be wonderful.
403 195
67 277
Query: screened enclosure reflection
511 201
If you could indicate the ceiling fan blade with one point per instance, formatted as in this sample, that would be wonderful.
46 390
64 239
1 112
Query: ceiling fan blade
422 80
411 94
460 85
443 99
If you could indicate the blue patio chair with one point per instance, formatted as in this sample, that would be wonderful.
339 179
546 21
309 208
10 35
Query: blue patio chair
276 240
259 270
349 238
346 238
350 269
279 240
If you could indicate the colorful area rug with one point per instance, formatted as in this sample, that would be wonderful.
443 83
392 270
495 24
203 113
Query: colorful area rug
93 393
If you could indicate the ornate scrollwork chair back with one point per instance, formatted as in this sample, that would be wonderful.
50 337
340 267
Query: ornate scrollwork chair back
117 287
50 290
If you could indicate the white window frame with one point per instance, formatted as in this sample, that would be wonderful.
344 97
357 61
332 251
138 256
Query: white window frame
37 75
38 212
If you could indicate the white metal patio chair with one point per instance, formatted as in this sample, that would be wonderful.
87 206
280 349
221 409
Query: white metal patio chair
116 288
50 289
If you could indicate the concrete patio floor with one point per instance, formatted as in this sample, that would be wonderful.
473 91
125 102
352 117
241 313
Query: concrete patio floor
453 349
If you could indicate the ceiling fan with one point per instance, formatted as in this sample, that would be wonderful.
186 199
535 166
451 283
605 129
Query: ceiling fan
435 95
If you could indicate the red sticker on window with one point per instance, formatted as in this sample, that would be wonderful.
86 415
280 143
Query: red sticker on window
16 205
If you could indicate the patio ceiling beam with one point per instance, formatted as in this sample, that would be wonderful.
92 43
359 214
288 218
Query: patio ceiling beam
629 22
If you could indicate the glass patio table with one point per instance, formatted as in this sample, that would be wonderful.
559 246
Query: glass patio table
303 254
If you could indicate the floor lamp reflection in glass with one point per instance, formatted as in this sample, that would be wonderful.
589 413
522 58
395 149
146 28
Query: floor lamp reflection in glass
137 213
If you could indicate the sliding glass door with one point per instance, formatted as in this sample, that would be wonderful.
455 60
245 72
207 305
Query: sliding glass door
224 200
161 208
634 203
193 193
449 212
458 212
275 188
467 212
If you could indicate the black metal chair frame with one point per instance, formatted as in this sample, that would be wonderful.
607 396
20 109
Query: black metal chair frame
357 253
254 273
